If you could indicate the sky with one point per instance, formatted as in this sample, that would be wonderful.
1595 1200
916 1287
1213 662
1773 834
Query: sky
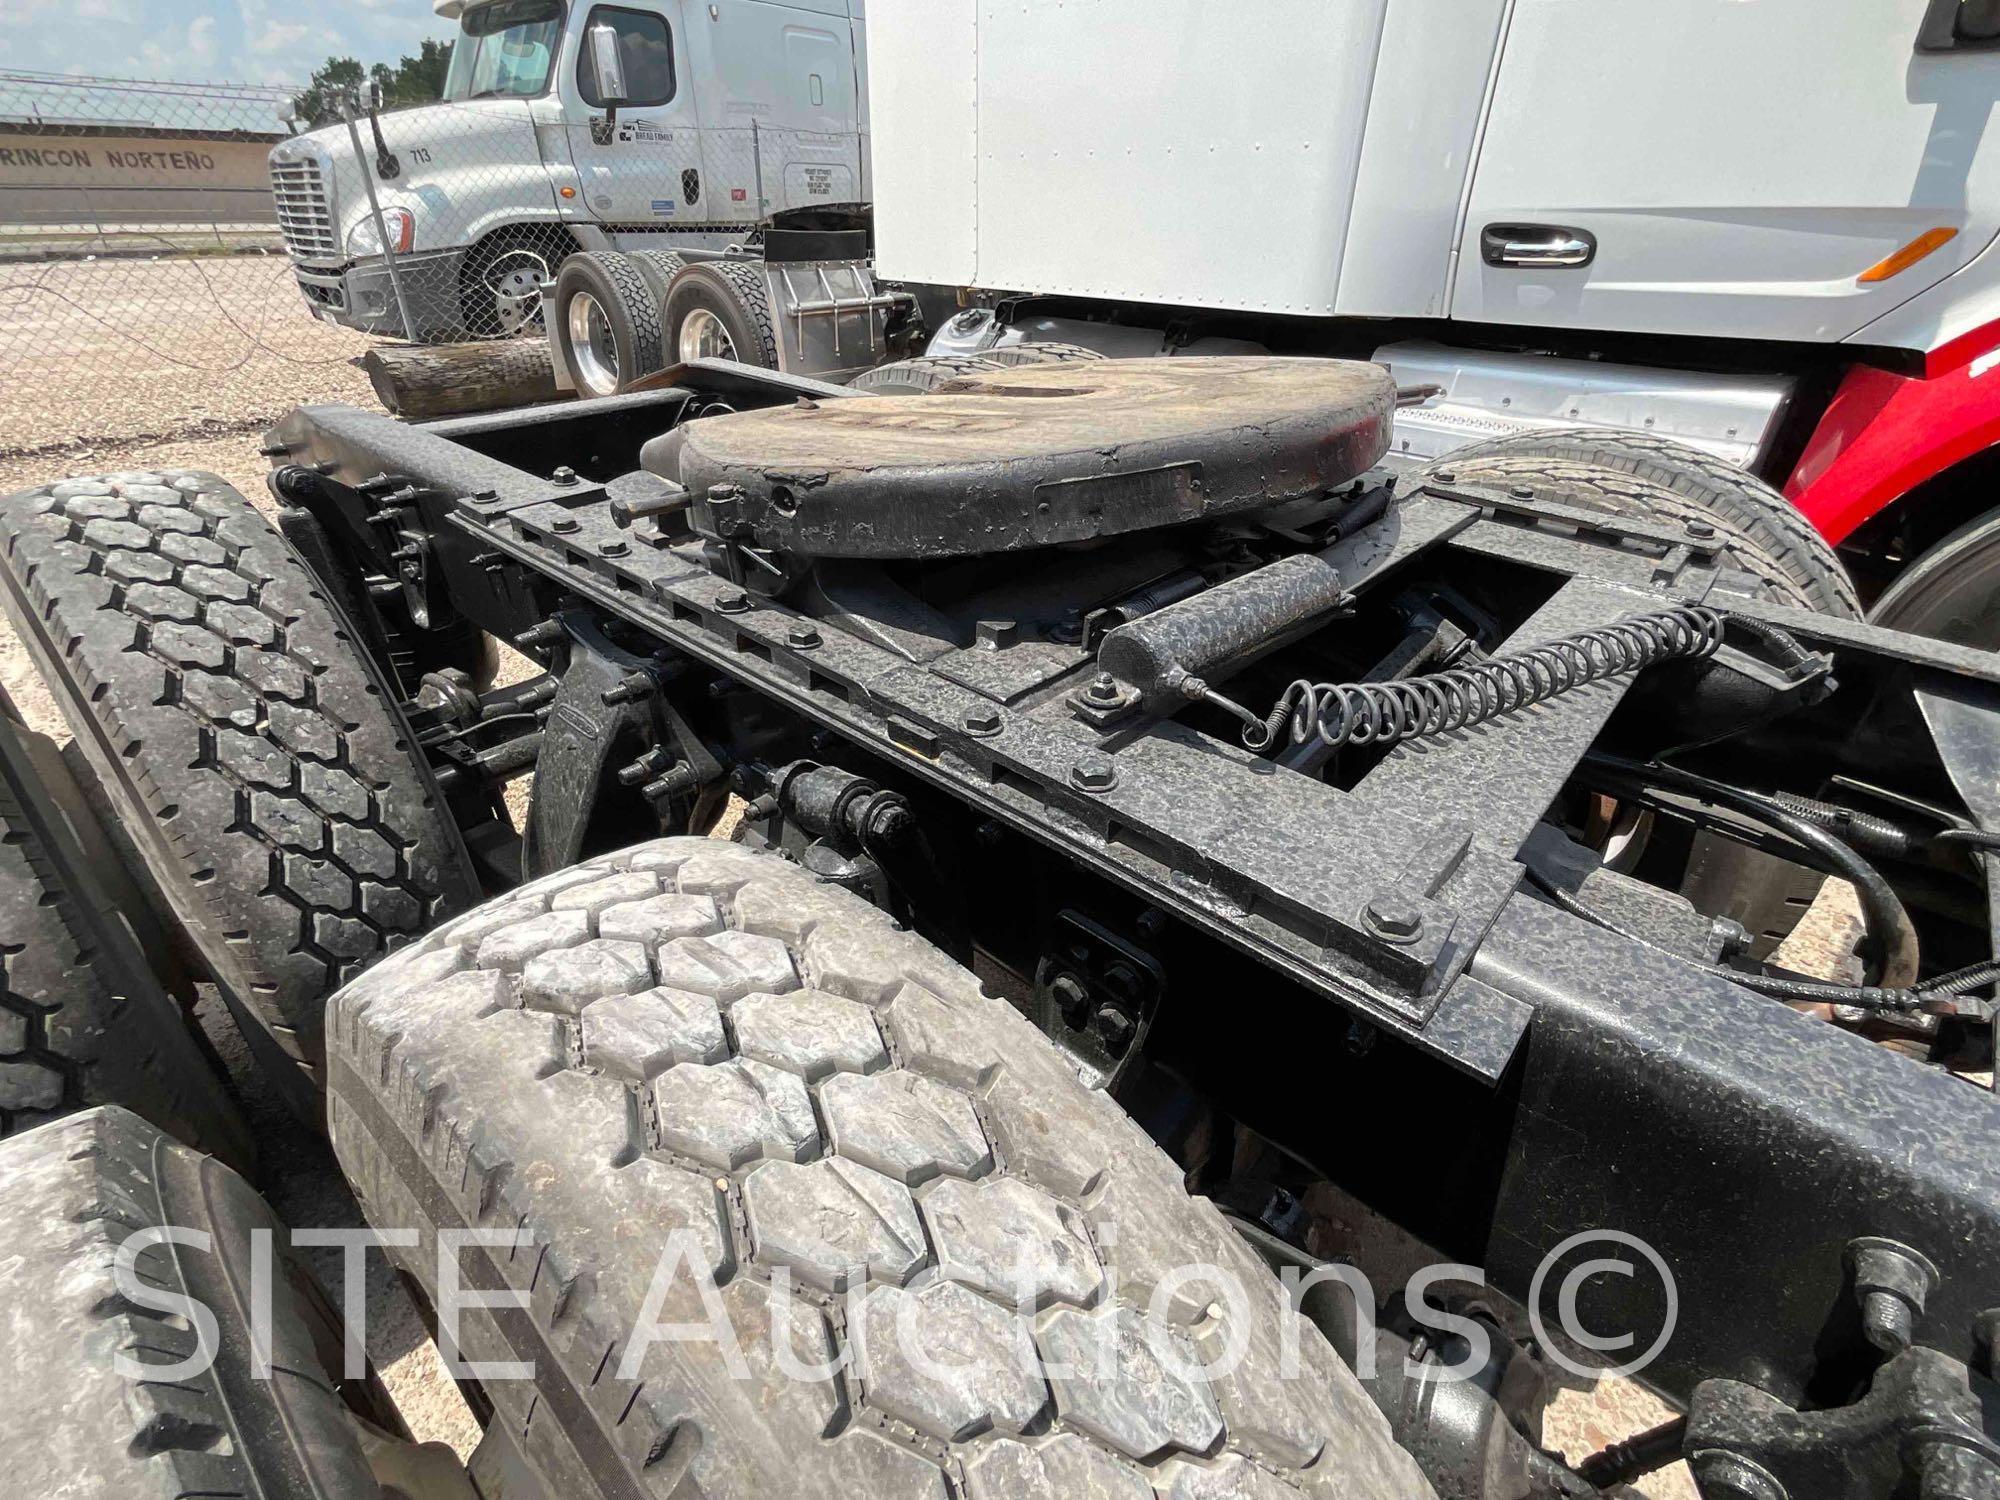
235 41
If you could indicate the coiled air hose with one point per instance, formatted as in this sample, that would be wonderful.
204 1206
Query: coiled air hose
1383 713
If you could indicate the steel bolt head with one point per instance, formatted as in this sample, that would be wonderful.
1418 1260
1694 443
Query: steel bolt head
563 525
1523 492
1394 915
564 474
614 549
1094 773
1446 476
1701 530
1103 688
734 602
982 721
802 637
1072 999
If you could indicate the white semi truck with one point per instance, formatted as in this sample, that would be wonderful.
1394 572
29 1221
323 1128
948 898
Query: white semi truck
733 110
1764 230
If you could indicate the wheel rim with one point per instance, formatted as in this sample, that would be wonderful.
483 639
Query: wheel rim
514 283
593 352
702 336
1952 593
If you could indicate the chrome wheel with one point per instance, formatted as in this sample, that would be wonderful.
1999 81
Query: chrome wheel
702 336
514 282
593 352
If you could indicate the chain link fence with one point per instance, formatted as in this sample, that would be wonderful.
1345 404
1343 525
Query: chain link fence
182 257
145 289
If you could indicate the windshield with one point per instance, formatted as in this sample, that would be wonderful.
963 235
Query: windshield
504 48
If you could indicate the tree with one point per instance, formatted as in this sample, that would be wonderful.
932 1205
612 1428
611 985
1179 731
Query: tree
335 87
340 82
415 80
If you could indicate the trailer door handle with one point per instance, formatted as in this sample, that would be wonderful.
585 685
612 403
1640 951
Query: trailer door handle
1537 245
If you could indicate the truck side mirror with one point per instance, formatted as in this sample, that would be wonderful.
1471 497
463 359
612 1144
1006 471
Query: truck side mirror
608 66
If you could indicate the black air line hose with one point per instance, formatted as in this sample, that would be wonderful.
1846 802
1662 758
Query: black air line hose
1890 942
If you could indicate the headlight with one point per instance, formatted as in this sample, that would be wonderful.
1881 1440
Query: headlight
365 238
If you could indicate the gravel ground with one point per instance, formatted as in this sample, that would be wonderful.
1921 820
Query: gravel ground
96 353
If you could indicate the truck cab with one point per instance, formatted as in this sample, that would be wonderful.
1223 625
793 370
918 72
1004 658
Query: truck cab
442 221
1763 230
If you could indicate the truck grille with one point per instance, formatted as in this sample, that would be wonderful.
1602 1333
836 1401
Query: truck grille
303 212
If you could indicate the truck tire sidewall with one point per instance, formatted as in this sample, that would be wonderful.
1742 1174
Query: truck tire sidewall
1951 592
921 376
1757 525
702 287
631 318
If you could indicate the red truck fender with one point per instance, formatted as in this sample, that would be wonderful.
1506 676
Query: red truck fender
1884 434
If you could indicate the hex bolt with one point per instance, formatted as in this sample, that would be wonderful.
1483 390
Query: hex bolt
1103 688
1726 1476
613 549
564 475
634 689
676 783
1394 915
1892 1282
1701 530
1116 1028
1523 492
996 635
734 602
1070 997
535 637
646 767
1446 476
1095 772
802 637
563 525
982 721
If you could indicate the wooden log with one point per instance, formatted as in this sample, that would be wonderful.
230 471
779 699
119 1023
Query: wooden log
419 381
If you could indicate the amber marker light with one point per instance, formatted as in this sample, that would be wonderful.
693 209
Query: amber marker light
1909 255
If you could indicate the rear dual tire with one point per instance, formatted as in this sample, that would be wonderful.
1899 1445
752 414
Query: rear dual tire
607 321
675 1072
87 1417
1758 530
244 743
83 1018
